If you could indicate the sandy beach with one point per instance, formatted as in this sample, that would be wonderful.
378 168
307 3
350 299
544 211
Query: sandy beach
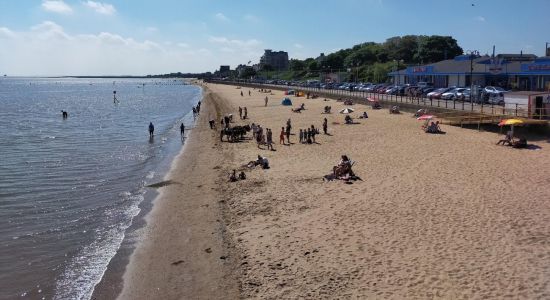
435 216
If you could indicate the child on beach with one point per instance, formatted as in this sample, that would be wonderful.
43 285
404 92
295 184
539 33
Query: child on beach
325 125
282 136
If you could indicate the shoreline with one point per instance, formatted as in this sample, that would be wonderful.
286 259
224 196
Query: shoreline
184 216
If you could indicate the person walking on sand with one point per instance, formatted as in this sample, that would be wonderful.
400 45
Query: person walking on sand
182 129
282 136
245 113
301 136
265 101
325 126
313 133
241 93
249 93
151 129
240 112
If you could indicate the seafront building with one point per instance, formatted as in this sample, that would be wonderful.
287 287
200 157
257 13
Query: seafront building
525 72
276 60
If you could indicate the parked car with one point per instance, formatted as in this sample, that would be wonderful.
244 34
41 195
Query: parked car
437 93
427 90
452 94
494 89
495 98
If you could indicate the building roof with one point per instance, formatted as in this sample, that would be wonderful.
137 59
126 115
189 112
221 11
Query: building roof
482 65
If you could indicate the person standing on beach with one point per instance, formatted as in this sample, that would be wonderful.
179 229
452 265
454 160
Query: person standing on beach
325 126
288 125
241 93
265 101
301 136
182 129
240 112
151 129
269 139
249 93
288 134
245 113
282 136
313 133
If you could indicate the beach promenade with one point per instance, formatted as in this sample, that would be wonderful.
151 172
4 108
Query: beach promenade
435 216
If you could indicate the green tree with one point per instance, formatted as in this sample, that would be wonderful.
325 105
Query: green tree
436 48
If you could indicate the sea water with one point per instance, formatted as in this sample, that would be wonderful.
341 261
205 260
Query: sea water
70 188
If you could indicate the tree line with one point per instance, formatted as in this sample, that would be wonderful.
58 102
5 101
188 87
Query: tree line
372 61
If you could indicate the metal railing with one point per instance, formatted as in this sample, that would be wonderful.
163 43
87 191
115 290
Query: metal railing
490 109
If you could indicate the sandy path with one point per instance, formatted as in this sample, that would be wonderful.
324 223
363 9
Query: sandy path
437 216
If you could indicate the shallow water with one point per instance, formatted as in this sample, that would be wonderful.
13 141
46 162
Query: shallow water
69 188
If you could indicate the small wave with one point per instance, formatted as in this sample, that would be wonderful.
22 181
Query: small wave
86 269
150 175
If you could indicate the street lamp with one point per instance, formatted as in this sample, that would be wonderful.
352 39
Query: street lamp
473 54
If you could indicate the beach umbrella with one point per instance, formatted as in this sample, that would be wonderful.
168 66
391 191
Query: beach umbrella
347 110
511 122
425 117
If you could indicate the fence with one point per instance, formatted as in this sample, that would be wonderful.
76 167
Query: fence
509 110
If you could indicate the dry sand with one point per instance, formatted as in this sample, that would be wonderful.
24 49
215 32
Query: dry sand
436 216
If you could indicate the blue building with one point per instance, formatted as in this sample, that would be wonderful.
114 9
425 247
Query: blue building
511 71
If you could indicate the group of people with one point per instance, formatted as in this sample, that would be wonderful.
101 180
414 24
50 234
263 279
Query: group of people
243 112
433 128
307 136
233 176
196 110
249 93
261 137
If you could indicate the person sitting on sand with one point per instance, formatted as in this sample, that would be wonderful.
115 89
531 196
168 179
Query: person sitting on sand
394 109
348 119
508 139
343 168
233 176
242 176
376 105
520 143
420 112
364 115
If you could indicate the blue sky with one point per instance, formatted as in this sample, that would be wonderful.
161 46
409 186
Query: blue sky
81 37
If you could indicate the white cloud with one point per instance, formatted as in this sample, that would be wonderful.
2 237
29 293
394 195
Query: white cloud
49 30
101 8
221 17
57 6
47 49
299 46
480 18
6 33
234 42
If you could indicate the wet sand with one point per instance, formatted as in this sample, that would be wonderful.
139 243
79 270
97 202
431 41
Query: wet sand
435 216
